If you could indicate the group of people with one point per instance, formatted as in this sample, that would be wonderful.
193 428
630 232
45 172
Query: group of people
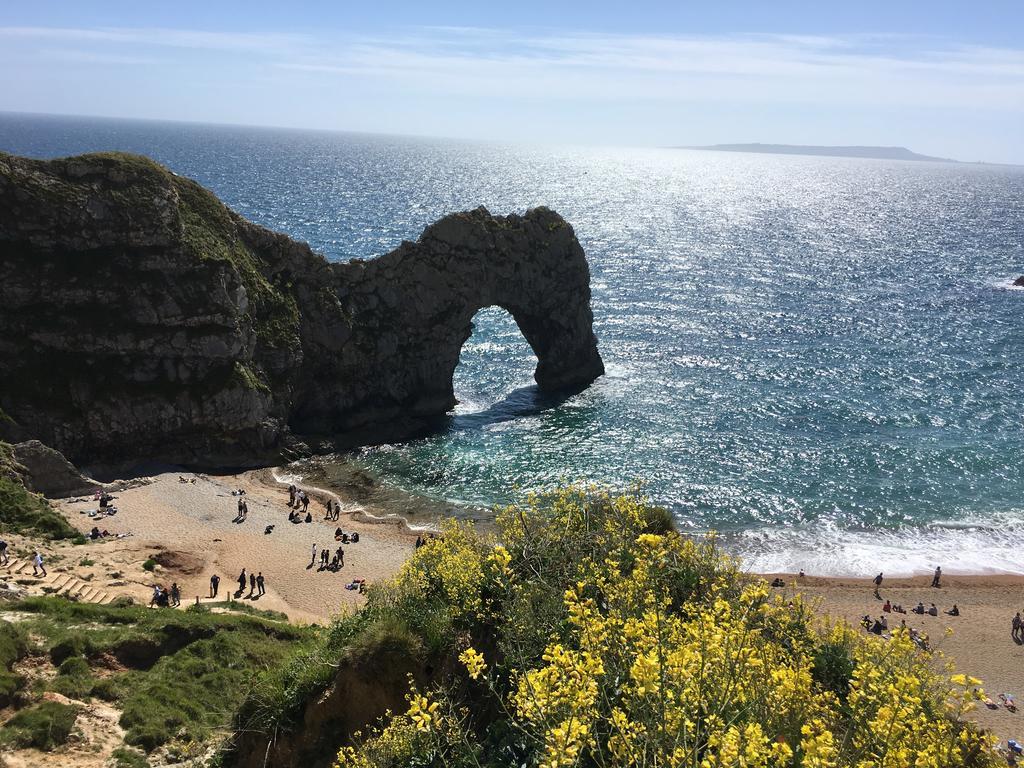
298 498
243 507
256 582
328 561
166 598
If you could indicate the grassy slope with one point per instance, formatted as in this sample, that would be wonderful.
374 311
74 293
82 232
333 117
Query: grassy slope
176 675
24 512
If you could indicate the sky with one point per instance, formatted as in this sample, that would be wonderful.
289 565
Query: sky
942 78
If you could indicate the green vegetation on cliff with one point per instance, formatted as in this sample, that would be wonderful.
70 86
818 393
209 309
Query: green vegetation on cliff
24 512
592 636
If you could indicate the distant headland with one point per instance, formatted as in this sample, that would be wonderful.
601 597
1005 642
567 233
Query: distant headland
878 153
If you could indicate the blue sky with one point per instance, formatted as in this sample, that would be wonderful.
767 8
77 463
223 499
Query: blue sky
940 77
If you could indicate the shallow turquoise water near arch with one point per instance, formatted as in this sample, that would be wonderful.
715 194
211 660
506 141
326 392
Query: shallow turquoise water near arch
820 357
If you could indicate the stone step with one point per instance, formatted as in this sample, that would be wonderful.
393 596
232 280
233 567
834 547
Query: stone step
86 595
61 580
105 599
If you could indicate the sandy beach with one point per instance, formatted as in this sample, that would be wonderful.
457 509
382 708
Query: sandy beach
187 528
980 644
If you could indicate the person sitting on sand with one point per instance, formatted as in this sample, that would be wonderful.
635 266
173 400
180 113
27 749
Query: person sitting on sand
887 608
309 517
338 534
919 609
777 582
866 622
268 530
354 538
933 611
954 611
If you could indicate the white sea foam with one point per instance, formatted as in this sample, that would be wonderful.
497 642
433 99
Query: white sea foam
962 546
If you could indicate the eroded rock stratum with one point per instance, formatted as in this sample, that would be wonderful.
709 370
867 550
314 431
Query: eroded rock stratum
140 318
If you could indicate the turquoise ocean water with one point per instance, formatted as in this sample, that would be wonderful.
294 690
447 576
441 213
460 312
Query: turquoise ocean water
820 357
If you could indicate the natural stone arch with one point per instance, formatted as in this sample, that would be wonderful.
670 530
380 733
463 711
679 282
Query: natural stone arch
415 308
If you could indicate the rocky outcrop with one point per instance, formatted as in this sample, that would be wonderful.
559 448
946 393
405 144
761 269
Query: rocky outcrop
1019 282
46 471
142 319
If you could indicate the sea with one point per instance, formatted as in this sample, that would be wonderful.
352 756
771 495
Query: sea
820 358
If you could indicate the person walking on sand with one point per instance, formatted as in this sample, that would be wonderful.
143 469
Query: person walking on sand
937 578
214 585
312 559
260 588
878 583
37 564
242 579
1015 634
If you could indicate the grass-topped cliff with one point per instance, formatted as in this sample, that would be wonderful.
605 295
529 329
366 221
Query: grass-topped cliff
592 635
143 320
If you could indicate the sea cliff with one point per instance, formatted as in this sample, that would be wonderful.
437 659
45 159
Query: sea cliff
142 319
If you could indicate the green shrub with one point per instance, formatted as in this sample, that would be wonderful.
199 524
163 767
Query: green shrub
44 726
149 565
13 646
126 757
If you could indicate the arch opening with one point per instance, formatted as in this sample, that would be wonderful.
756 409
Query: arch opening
494 372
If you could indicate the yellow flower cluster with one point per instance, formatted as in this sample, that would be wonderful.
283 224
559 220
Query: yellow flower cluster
621 643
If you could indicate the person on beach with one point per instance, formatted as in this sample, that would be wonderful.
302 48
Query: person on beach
312 560
155 599
37 564
291 495
309 517
1015 634
933 611
919 609
241 506
242 579
214 585
252 584
260 588
175 594
4 558
305 502
878 583
341 557
954 611
937 578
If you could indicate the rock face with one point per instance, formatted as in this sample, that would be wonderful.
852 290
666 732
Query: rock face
1019 282
46 471
142 319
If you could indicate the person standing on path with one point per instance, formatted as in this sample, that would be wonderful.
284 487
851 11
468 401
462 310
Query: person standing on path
4 558
214 585
937 578
261 589
37 564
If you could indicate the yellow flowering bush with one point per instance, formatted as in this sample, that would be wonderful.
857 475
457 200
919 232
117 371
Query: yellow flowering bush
595 636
